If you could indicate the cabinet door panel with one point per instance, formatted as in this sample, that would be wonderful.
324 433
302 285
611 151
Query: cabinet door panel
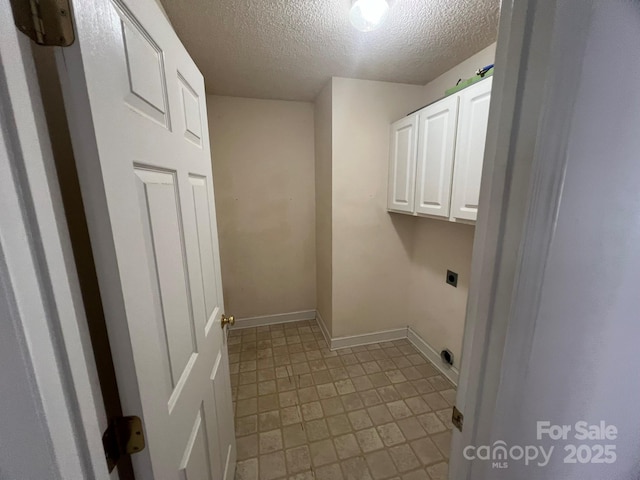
436 147
402 165
472 133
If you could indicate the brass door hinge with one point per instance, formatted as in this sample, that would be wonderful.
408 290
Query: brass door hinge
124 436
457 418
46 22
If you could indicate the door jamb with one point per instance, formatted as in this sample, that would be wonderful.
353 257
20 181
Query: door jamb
39 273
521 191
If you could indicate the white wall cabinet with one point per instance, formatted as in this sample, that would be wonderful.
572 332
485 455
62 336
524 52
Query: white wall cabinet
472 134
402 165
436 147
436 157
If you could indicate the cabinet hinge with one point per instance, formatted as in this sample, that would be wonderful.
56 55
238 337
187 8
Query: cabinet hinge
46 22
457 418
124 436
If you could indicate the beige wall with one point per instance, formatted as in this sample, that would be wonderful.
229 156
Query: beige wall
323 189
389 269
437 310
336 250
434 90
263 172
370 246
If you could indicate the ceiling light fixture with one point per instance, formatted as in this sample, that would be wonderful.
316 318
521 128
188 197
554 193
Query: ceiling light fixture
367 15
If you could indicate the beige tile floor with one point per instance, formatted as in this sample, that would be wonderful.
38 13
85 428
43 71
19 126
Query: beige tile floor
303 412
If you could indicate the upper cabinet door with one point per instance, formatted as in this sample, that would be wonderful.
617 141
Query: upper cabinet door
402 164
436 147
472 134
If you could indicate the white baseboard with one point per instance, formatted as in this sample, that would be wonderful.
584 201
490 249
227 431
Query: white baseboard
433 356
274 319
368 338
323 328
355 340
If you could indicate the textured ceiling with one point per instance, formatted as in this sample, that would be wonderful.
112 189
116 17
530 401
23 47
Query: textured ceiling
288 49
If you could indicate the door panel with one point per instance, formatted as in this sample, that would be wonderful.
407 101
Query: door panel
145 69
137 112
195 464
167 256
402 165
436 147
191 112
472 134
217 450
220 384
205 248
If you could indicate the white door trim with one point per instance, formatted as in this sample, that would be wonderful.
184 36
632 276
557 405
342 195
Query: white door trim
521 186
488 233
39 288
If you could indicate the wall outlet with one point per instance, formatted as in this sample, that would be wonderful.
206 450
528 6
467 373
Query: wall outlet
452 278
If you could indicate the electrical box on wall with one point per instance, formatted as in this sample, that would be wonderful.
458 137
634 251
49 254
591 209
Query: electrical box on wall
452 278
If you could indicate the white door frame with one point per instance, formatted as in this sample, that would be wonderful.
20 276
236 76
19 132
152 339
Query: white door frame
49 382
39 289
539 59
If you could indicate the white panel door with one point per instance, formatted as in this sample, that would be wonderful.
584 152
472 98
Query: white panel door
472 133
136 105
436 147
402 164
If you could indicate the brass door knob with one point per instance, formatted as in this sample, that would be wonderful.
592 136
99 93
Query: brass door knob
231 320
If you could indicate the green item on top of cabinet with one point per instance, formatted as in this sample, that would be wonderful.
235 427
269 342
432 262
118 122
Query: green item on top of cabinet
468 82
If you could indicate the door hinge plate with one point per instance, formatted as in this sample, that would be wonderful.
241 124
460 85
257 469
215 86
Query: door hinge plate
124 436
46 22
457 418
